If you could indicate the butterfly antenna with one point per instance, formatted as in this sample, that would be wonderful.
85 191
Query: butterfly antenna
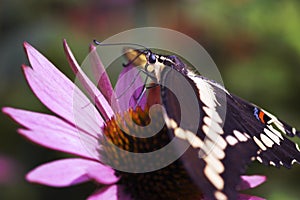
96 42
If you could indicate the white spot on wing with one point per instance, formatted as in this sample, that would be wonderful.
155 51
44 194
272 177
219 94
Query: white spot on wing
259 159
220 195
213 136
194 140
213 125
231 140
206 92
267 141
214 163
273 136
209 132
297 147
280 162
294 131
214 177
248 136
205 129
213 114
259 143
214 149
241 137
258 152
279 125
274 120
273 130
170 122
272 163
221 142
179 132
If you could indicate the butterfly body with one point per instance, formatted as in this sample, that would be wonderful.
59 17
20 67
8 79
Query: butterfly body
225 132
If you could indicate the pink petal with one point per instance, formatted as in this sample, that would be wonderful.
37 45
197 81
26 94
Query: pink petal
91 89
103 174
129 88
63 173
54 133
100 74
59 94
106 193
113 192
251 181
248 197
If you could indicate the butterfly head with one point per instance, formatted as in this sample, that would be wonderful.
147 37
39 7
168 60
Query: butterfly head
153 64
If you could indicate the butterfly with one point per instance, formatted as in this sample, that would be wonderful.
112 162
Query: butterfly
224 132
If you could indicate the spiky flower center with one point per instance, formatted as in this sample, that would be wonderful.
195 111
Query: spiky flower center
122 133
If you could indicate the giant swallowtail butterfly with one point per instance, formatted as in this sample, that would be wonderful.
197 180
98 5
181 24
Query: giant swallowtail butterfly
220 148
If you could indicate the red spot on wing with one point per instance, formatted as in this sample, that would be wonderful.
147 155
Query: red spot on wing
261 116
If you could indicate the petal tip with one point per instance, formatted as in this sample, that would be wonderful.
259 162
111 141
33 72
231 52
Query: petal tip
8 110
65 44
30 177
68 51
5 110
26 44
92 47
27 177
22 132
27 47
251 181
24 68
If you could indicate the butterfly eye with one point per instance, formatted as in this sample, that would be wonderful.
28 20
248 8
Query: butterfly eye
152 58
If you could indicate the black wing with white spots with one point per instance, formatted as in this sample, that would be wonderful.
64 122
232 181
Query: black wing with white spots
218 156
231 132
248 132
275 148
224 132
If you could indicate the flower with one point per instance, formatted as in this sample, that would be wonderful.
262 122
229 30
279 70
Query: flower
77 122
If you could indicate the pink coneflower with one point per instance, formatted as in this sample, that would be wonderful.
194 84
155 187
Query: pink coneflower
92 136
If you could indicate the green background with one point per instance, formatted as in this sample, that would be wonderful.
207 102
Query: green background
255 45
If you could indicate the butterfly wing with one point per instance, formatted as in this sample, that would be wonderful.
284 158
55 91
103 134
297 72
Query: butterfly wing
221 147
275 147
222 131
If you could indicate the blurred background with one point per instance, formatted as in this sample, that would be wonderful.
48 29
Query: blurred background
255 44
